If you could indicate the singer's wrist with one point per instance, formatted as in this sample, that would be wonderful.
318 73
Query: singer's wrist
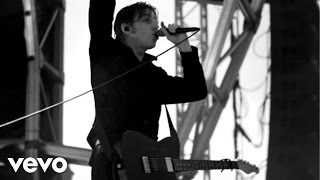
185 47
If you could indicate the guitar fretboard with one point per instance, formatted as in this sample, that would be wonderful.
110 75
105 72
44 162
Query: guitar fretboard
161 164
189 165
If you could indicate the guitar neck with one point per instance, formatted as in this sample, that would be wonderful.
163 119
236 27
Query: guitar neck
178 165
191 165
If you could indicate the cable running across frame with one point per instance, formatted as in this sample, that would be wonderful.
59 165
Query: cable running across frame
96 87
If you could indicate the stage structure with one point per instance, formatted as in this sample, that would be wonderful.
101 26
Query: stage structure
44 21
43 27
203 116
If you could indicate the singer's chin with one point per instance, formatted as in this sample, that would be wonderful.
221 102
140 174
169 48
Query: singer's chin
152 44
155 38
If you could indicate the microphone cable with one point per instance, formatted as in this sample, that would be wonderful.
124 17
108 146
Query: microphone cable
96 87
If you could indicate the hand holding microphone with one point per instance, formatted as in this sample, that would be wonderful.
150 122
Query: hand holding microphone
177 30
176 35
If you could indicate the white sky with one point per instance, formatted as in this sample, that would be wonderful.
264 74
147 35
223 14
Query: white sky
79 113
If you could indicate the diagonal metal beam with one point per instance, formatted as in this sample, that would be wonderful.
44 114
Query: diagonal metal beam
220 95
237 58
248 11
209 65
213 55
209 125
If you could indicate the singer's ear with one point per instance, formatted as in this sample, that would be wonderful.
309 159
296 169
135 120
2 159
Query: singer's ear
125 28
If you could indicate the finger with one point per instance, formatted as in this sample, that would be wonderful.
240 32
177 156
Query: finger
164 29
162 25
175 26
171 28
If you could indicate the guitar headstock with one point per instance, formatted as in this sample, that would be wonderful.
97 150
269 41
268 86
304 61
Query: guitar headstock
247 167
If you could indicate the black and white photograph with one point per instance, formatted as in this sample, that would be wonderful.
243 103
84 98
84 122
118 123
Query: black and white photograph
159 90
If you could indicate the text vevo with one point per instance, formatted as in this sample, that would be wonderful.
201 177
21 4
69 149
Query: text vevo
30 164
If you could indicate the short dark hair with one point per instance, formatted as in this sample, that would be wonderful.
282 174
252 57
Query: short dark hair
129 14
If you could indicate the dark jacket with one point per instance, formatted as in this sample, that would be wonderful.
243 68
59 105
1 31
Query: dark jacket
133 101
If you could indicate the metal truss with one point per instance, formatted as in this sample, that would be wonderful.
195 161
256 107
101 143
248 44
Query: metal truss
182 18
45 88
45 77
203 116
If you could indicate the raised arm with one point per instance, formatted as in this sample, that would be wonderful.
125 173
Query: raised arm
100 19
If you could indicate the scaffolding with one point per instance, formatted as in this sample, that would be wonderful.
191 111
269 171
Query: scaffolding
203 115
45 85
46 78
44 29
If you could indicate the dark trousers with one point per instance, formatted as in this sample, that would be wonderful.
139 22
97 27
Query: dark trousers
102 167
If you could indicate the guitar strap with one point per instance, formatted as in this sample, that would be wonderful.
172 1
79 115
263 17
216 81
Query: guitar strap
107 148
173 132
97 134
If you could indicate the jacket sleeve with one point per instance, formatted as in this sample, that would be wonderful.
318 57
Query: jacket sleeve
100 22
191 87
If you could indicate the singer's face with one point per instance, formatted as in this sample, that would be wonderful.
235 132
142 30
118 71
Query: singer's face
144 31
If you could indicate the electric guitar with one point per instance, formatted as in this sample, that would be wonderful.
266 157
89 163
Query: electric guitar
146 159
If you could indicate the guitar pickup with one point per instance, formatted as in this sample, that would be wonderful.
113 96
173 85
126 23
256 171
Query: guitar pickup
169 164
146 165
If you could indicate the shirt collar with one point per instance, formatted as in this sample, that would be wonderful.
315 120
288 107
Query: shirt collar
148 57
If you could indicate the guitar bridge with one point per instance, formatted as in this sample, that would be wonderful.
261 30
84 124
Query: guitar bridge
146 165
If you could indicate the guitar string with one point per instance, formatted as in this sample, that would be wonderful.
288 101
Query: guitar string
222 164
193 165
96 87
160 162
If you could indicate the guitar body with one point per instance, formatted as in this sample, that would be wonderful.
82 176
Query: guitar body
146 159
135 145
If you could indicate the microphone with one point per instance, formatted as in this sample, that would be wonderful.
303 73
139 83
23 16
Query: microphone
178 31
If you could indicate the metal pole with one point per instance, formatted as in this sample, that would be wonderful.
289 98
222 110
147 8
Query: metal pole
32 128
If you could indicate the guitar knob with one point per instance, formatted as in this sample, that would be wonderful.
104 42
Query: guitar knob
119 166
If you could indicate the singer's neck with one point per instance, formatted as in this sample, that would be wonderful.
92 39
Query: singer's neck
139 54
138 51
